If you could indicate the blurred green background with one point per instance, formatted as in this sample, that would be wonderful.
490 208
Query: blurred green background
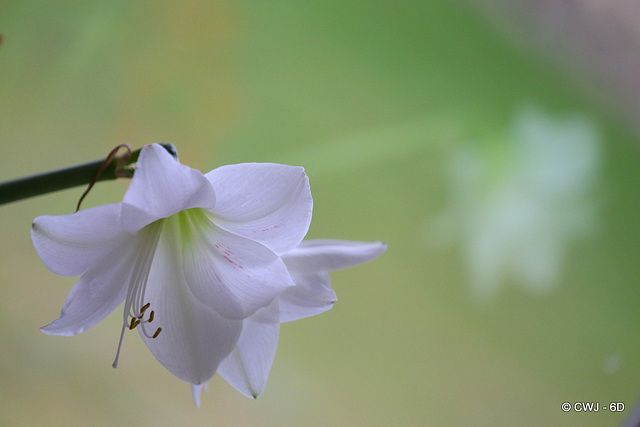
505 189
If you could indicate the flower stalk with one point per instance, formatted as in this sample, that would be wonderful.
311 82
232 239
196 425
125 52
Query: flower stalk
62 179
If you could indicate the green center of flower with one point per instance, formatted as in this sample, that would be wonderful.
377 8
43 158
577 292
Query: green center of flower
188 222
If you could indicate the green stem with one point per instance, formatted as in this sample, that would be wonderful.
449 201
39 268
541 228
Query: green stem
74 176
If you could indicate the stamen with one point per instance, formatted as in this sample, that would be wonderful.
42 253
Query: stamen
135 307
155 335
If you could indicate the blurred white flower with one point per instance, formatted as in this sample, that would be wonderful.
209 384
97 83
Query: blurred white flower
515 208
195 258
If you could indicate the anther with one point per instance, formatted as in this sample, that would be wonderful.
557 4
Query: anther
144 308
134 322
155 335
150 316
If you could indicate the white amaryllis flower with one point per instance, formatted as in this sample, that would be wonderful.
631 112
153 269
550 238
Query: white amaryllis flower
248 365
194 257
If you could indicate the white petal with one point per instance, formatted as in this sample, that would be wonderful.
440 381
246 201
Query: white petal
247 367
195 391
233 275
308 264
326 255
194 338
96 294
70 244
161 187
312 295
265 202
